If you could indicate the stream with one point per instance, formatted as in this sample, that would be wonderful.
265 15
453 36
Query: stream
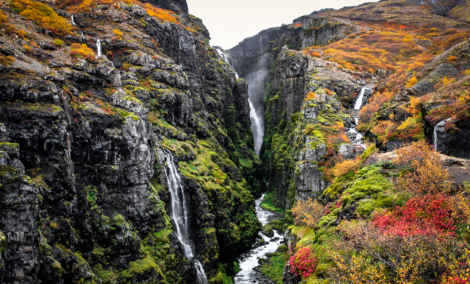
249 260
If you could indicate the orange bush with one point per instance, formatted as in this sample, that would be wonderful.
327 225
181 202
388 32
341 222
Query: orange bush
427 174
307 212
310 96
345 167
82 51
412 82
118 33
43 15
376 102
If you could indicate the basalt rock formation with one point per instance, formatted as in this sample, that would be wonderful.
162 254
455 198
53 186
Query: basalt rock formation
84 194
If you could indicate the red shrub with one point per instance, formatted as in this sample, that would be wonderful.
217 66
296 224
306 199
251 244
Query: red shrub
303 262
425 215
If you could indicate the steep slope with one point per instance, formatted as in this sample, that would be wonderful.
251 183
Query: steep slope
92 105
398 71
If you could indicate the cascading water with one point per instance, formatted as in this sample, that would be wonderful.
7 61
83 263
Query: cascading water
249 261
353 134
256 124
73 21
179 214
256 121
359 100
98 48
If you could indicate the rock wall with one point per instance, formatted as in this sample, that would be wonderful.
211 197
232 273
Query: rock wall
83 193
303 103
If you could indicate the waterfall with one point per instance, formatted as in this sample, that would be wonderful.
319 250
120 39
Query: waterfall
256 121
73 21
359 100
256 124
354 135
98 48
179 214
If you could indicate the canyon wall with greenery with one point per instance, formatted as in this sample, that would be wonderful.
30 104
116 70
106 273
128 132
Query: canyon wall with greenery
379 215
84 185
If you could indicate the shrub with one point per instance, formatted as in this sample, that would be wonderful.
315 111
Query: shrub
82 51
452 58
6 60
427 215
316 54
307 212
43 15
310 96
58 42
376 102
118 33
412 82
426 174
303 262
345 167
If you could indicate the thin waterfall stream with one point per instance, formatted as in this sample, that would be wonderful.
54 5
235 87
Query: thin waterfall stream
353 134
179 215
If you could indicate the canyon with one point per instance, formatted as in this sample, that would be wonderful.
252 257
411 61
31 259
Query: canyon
133 151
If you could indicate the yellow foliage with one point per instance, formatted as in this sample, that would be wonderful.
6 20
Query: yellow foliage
307 212
311 96
427 175
6 60
43 15
118 33
466 72
345 167
82 51
412 82
452 58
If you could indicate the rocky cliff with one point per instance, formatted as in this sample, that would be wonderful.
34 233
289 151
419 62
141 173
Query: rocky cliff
90 106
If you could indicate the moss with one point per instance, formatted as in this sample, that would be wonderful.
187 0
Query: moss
273 267
269 203
141 266
369 182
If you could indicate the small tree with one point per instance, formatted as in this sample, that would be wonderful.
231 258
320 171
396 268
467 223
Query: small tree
307 212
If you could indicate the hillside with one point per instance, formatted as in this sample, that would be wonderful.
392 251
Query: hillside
396 72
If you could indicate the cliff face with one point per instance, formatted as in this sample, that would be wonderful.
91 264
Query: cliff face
84 192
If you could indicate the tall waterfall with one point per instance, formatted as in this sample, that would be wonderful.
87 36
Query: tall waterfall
257 126
73 21
98 47
179 214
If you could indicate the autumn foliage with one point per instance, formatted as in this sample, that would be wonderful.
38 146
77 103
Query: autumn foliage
303 262
43 15
82 51
307 212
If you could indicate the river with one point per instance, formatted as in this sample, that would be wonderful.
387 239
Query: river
249 260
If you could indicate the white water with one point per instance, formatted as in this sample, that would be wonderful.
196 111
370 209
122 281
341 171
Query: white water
440 124
359 100
256 124
179 214
98 48
250 261
354 135
73 21
256 121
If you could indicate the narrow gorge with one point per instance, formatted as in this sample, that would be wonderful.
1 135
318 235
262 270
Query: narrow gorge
334 149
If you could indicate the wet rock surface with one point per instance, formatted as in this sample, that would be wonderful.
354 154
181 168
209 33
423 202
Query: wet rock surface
83 192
